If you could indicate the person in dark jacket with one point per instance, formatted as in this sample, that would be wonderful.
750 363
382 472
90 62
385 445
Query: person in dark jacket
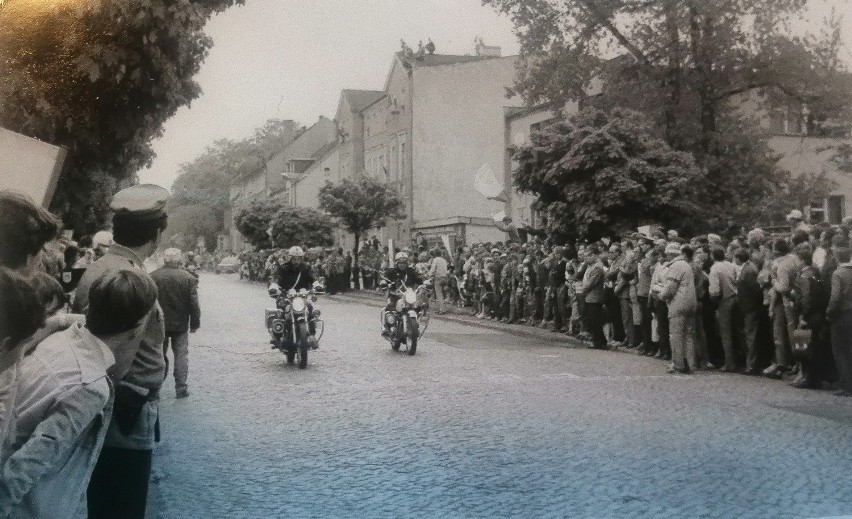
178 295
750 301
839 313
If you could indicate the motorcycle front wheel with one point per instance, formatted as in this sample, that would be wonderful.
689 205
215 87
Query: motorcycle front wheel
302 342
413 334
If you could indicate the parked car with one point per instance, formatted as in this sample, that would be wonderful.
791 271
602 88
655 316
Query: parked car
228 265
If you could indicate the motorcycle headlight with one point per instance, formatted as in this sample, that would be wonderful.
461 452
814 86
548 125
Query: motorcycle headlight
390 318
410 297
299 305
278 327
400 304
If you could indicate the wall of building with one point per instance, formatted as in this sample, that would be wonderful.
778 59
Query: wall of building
458 126
802 155
324 169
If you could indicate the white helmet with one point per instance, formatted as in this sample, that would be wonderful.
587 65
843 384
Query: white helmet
401 256
297 251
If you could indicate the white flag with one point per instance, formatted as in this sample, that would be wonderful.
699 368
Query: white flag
487 183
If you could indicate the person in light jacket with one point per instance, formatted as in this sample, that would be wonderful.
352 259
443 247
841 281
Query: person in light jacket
593 295
679 294
64 403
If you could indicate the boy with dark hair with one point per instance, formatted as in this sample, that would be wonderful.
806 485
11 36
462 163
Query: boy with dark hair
64 402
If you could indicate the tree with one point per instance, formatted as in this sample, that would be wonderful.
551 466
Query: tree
254 221
694 61
301 226
99 78
361 204
599 173
188 223
206 181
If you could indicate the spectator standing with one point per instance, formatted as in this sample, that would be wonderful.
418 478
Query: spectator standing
178 297
679 293
723 291
785 270
119 485
65 402
643 291
593 296
438 273
839 313
750 302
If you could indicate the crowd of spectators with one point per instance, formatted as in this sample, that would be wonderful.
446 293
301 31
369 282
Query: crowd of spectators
777 305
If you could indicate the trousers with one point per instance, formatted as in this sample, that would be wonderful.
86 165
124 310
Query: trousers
119 484
180 347
682 339
725 318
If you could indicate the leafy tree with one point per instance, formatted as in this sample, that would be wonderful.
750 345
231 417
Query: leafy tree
207 180
301 226
188 223
361 203
599 173
99 78
694 61
254 221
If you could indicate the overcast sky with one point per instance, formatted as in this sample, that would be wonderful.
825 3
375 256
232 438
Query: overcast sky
291 58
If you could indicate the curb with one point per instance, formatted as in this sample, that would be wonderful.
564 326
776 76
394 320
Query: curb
513 329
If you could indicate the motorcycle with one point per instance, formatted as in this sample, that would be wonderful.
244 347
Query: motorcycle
407 323
289 325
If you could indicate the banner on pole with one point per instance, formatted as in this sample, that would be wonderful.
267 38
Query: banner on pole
445 238
488 185
29 166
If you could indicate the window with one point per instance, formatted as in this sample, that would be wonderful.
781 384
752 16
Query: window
816 212
836 205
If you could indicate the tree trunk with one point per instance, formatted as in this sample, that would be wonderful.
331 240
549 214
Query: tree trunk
700 35
356 263
673 73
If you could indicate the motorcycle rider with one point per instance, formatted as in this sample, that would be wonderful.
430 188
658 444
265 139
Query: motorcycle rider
295 274
400 274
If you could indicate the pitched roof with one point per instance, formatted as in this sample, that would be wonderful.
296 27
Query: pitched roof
360 99
431 60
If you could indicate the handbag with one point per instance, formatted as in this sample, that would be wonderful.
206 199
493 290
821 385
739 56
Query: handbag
801 344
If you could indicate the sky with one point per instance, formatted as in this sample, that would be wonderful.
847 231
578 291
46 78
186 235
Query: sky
291 58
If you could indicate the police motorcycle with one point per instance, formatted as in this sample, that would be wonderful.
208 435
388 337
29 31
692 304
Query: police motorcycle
294 325
407 321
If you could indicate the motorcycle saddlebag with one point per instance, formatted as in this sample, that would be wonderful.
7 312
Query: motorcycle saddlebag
270 314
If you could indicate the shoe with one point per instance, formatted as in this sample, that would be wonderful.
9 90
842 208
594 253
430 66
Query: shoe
673 370
803 384
842 392
773 368
181 393
777 374
659 355
751 372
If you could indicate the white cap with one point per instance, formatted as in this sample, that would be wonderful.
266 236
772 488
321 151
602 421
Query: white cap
172 256
401 256
102 238
295 250
795 214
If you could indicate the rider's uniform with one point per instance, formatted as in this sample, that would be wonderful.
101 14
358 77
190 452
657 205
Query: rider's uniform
409 277
294 277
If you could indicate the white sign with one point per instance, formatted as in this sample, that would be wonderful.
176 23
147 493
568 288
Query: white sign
29 166
487 183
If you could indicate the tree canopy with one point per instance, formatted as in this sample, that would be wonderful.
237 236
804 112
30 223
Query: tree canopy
254 221
302 226
600 173
695 62
99 78
360 204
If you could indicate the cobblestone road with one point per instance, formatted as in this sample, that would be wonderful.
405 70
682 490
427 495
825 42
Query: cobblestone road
480 424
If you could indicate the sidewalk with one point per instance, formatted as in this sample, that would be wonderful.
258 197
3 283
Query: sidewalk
465 316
